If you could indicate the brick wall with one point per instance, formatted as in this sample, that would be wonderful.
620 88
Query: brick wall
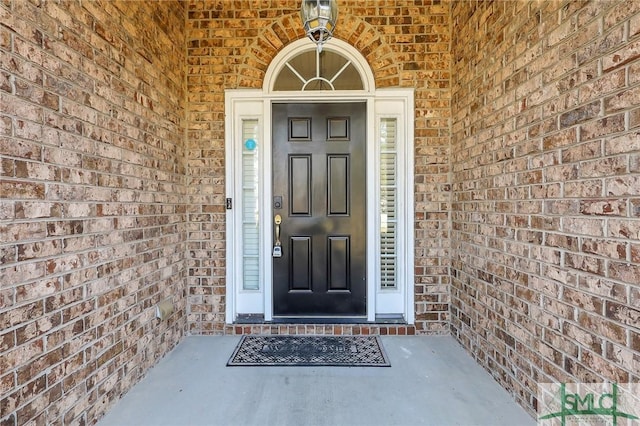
92 216
230 45
546 190
106 210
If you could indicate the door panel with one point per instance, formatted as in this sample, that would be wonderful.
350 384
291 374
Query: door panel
300 185
300 264
338 184
319 174
339 263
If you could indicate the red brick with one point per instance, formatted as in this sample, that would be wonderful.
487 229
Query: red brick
634 163
601 327
560 139
7 341
572 334
583 189
6 124
23 272
624 185
585 263
611 166
610 249
579 115
7 255
610 82
603 288
20 148
623 100
578 153
37 290
624 55
635 341
634 118
21 190
38 249
602 127
605 368
635 253
621 228
625 272
623 314
611 207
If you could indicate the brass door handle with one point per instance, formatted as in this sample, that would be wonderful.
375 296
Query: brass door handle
277 220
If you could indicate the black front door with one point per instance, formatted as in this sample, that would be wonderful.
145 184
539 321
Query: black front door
319 263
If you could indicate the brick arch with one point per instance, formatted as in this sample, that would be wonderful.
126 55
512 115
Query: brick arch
358 33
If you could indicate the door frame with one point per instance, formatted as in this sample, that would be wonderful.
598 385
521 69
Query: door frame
247 104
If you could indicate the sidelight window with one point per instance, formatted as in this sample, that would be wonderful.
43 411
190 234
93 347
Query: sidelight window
250 209
388 203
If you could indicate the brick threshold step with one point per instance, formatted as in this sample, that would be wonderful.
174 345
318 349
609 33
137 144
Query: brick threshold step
384 325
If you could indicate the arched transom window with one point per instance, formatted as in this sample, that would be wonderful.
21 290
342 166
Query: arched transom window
313 70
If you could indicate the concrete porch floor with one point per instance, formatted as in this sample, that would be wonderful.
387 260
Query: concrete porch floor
431 381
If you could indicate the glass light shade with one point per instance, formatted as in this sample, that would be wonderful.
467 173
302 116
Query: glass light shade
319 19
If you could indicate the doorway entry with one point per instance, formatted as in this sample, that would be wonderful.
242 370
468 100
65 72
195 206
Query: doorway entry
320 161
319 209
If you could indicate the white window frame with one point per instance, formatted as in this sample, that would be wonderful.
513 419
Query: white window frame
242 105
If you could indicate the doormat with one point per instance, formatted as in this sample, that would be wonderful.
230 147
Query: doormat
300 351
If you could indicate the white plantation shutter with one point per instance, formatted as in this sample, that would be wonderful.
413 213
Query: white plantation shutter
388 206
250 212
